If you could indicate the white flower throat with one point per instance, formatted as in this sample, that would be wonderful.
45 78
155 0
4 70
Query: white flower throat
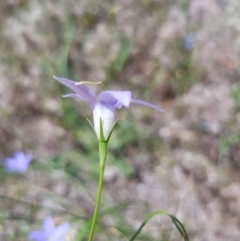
101 112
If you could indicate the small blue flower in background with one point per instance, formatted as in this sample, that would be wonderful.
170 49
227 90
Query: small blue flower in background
103 105
49 231
189 42
18 163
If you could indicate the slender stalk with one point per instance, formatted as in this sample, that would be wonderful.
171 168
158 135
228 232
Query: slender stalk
102 156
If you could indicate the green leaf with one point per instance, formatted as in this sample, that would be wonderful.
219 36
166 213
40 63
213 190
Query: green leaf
175 221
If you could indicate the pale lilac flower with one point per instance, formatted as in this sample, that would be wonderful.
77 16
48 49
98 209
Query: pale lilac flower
49 231
189 42
18 163
104 104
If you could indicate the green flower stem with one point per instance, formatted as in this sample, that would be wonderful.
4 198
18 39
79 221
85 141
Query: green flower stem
102 156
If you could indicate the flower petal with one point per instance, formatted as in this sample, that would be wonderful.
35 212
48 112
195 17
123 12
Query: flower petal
22 157
115 99
82 91
28 158
37 236
9 165
60 231
141 102
72 96
19 155
48 226
17 164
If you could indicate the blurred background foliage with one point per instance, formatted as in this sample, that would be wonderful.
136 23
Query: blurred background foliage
180 55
